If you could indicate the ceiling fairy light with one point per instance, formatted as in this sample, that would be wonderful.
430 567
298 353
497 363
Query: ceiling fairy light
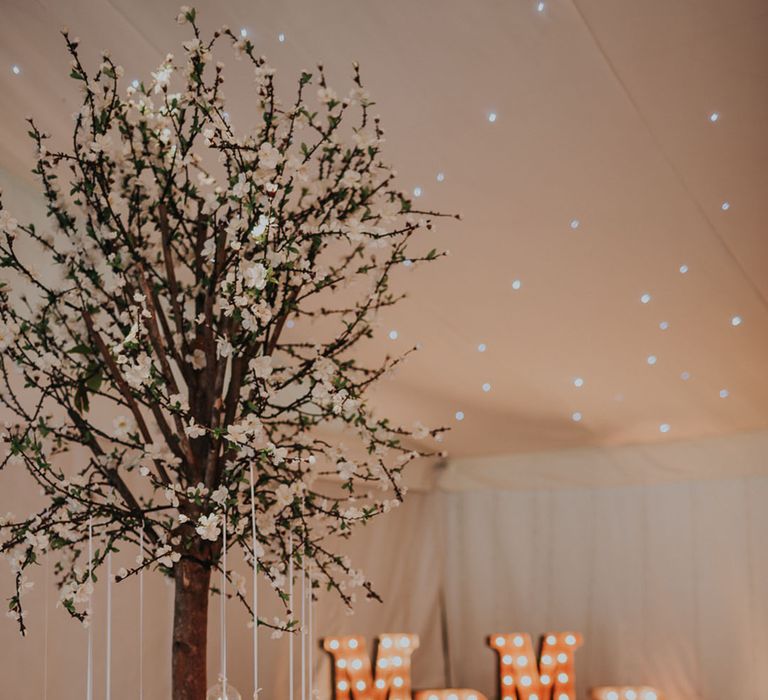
715 116
540 7
486 387
516 284
683 269
492 117
440 177
685 376
664 428
417 191
724 393
736 321
651 360
578 382
645 298
393 335
459 415
281 37
664 325
574 224
243 32
482 347
725 206
16 69
576 416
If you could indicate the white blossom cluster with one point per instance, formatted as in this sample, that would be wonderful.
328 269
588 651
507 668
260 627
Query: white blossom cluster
163 359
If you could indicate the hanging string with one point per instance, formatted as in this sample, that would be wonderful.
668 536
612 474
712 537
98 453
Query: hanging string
311 638
141 611
89 682
46 573
255 593
290 608
303 632
223 607
108 674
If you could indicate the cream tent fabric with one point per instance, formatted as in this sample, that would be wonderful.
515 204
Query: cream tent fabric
666 582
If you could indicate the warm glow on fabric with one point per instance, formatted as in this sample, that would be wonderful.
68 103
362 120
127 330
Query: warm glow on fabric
352 676
521 678
625 692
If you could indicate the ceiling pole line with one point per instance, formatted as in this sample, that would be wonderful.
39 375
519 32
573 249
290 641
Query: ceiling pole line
670 163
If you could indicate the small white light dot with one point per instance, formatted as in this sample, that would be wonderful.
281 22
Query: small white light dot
486 387
243 32
492 117
398 682
683 269
575 416
353 644
570 640
651 360
407 263
736 321
685 376
518 641
135 83
714 117
500 641
360 685
645 298
459 415
507 659
290 323
334 644
342 685
281 37
551 639
664 428
562 657
482 347
725 206
574 224
440 177
15 69
540 7
664 325
516 284
578 382
724 393
386 642
417 191
393 335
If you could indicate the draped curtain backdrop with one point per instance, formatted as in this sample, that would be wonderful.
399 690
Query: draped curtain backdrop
667 583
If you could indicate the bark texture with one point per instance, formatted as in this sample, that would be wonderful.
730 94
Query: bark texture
190 630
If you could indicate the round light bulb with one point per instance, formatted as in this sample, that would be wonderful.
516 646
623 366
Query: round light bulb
664 428
482 347
651 360
459 415
393 335
578 382
440 177
486 387
715 116
736 321
516 284
16 69
645 298
417 191
576 416
725 206
492 117
724 393
281 37
664 325
223 691
683 269
575 223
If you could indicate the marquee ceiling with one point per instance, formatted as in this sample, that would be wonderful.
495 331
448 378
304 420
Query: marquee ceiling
605 176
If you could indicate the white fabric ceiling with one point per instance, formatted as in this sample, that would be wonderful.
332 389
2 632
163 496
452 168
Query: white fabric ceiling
603 116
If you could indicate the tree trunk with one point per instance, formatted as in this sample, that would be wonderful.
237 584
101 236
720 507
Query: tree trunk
190 629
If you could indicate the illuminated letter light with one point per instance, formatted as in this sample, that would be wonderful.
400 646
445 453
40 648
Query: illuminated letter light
520 678
352 677
625 692
449 694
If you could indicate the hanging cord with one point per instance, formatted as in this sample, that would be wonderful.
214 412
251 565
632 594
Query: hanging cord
303 633
255 594
311 638
141 612
46 575
223 607
108 670
89 682
290 609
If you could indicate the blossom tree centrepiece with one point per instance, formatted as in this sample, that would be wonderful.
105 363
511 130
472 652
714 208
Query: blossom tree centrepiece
150 355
